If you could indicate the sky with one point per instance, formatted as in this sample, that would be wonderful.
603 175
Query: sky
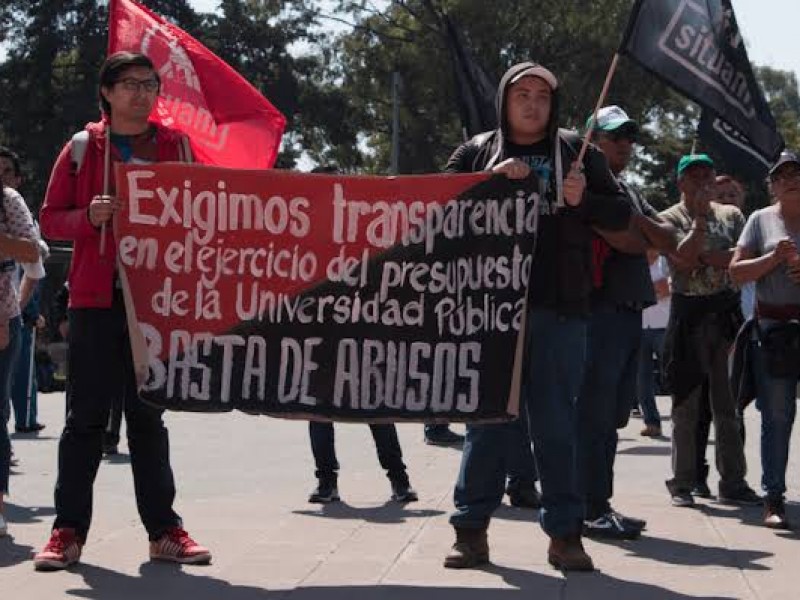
770 34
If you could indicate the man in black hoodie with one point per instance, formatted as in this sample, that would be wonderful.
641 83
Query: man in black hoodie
572 200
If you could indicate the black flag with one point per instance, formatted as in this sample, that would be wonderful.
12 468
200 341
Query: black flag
475 90
696 47
733 147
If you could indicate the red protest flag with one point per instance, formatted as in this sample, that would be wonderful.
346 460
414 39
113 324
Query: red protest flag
229 122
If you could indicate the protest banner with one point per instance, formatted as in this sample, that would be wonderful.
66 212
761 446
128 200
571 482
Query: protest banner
325 296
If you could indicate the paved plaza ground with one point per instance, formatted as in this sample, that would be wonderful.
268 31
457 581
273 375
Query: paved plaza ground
243 482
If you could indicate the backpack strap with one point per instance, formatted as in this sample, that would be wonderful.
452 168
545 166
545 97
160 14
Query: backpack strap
80 141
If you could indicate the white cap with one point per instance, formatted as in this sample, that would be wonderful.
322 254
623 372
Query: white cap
537 71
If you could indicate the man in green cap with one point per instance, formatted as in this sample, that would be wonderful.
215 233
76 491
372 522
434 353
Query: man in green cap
622 289
705 317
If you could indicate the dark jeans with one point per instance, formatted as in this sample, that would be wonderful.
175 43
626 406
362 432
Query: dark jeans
652 345
553 369
520 466
607 396
8 358
386 443
704 420
23 387
111 434
99 362
777 402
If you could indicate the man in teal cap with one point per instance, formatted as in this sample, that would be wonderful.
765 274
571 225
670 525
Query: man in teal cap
623 288
705 317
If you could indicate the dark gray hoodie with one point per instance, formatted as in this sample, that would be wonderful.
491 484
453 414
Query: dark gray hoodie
561 275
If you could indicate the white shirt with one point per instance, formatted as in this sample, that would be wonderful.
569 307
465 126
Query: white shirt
657 316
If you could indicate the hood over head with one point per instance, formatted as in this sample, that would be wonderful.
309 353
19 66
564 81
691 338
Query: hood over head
514 74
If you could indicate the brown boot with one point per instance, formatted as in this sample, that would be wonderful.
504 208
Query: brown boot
567 554
470 550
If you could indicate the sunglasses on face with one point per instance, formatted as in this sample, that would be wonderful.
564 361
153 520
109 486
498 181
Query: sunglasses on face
617 136
786 174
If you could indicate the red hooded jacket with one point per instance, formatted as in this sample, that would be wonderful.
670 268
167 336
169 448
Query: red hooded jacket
65 213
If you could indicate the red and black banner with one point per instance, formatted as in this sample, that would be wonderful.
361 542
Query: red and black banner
325 296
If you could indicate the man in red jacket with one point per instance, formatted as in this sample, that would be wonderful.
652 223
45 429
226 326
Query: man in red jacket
79 206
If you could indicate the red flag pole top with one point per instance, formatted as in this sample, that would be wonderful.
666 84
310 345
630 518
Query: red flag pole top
229 122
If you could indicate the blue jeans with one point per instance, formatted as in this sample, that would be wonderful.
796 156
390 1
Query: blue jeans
652 344
777 402
553 369
520 465
23 387
8 358
608 394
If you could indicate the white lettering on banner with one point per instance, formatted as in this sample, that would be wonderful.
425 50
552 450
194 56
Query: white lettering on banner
207 212
370 374
738 139
384 224
694 46
187 374
415 376
296 367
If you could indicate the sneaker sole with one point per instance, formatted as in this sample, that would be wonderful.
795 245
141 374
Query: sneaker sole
52 565
405 499
328 500
200 559
609 535
477 562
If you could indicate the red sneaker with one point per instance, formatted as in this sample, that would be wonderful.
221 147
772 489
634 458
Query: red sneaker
63 550
176 546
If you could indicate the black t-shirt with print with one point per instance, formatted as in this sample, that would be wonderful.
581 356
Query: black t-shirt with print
545 284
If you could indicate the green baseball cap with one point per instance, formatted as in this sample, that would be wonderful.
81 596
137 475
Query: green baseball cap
694 159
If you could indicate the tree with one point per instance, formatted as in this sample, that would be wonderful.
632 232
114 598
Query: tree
575 39
53 56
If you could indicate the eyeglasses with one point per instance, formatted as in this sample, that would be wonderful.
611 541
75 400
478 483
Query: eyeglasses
129 84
